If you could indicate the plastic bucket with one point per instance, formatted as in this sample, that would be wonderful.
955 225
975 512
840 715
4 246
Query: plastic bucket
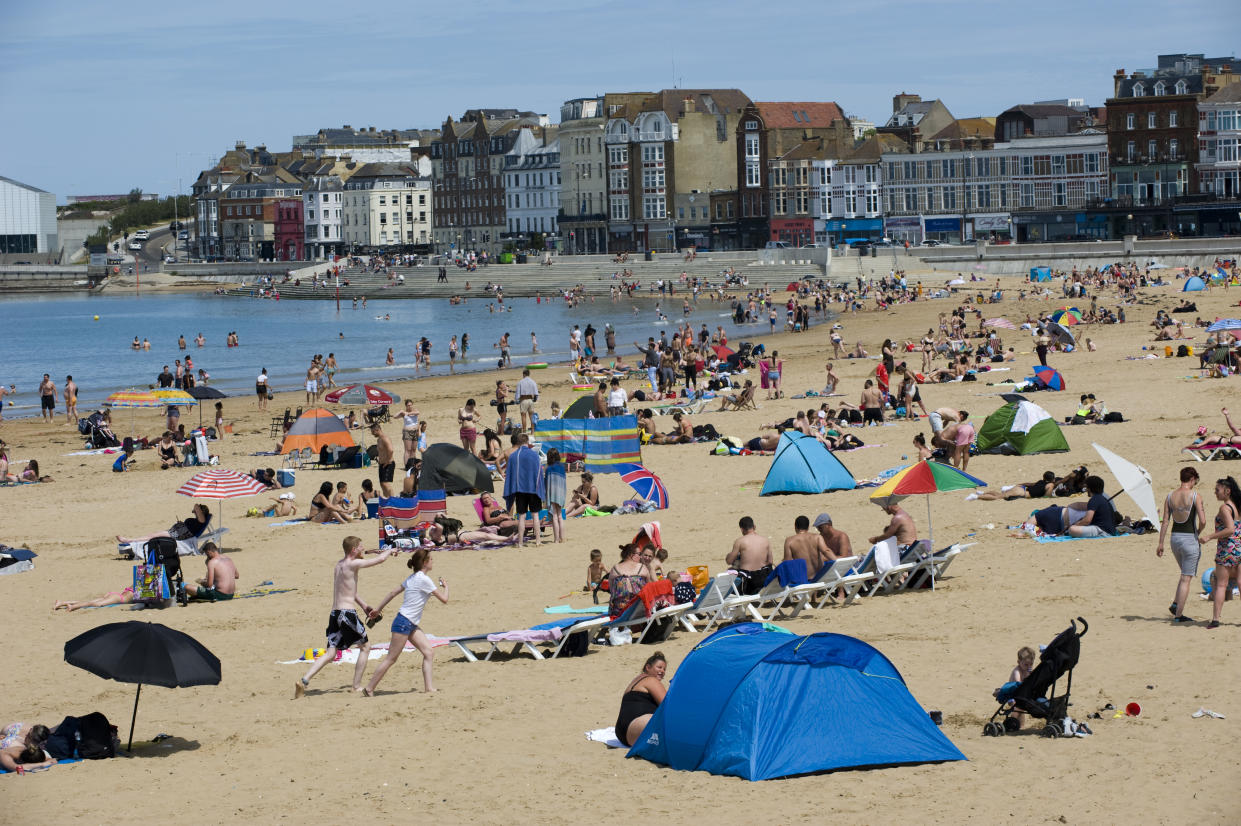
1133 710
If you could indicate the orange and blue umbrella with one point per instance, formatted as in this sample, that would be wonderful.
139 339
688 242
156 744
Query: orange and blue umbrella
646 484
1050 378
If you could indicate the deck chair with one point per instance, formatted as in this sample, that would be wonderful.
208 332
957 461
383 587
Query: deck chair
543 641
710 599
858 581
939 561
1209 451
849 582
741 401
800 597
746 606
892 573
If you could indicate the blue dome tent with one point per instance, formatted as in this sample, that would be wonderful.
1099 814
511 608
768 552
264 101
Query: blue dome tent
803 464
1040 273
1194 284
739 703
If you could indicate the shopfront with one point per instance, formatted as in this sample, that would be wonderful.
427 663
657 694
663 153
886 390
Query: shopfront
841 229
1037 227
796 232
992 228
942 229
904 229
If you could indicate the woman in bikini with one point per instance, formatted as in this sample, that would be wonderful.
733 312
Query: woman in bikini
1183 517
330 369
466 418
321 507
1227 557
496 517
123 597
642 696
584 496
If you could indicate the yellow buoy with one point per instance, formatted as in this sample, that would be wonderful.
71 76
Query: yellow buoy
96 318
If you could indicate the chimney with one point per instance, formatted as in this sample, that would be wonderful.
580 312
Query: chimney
240 146
346 126
1117 79
900 101
262 147
687 105
371 130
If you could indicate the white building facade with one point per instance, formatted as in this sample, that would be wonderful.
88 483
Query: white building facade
322 206
386 205
27 220
1219 144
532 188
848 201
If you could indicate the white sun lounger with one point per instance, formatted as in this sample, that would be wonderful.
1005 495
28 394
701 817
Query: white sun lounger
539 649
709 602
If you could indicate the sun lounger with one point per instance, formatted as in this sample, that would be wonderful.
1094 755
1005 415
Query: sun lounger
689 408
891 578
799 597
741 606
709 602
920 577
543 641
1206 452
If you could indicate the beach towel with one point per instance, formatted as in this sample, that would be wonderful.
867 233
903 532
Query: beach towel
287 522
790 572
569 609
378 651
66 760
601 443
886 555
606 736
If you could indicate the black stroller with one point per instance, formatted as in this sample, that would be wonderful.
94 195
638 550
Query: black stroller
162 550
1036 694
97 432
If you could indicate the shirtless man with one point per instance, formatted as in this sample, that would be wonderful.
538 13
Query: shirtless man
312 382
751 557
684 433
220 583
71 400
47 397
901 526
806 546
385 459
344 627
871 404
835 541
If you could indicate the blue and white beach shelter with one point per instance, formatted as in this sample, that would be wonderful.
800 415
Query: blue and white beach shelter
1194 284
760 704
803 464
1040 273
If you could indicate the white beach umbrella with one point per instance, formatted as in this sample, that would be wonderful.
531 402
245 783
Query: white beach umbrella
1135 480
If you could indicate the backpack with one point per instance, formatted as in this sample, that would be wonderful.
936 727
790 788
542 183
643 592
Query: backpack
1182 351
577 645
96 739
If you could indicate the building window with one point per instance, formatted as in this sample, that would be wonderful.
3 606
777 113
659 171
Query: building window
1139 90
1060 194
1150 150
653 206
1173 119
1131 151
1150 120
1057 164
1181 87
1130 120
1173 149
1092 163
751 125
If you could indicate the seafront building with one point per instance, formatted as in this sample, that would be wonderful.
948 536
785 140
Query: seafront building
27 220
711 169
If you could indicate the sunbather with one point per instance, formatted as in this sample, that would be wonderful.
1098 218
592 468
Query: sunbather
185 529
1233 437
123 597
21 748
585 495
683 433
497 517
735 401
1026 490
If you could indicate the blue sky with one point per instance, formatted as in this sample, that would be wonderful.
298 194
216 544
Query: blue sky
103 97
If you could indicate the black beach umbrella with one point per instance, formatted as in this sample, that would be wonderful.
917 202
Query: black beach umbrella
204 393
453 469
143 652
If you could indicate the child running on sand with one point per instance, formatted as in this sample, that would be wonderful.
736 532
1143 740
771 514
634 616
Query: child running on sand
418 588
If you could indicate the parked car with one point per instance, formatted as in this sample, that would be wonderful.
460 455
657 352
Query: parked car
931 242
184 235
778 245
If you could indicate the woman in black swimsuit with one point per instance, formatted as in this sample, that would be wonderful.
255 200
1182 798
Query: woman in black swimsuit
1027 490
641 699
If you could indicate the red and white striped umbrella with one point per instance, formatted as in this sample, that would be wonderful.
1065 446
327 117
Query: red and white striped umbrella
219 483
1003 323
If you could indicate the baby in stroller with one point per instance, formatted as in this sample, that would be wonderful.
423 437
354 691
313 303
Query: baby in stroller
1031 690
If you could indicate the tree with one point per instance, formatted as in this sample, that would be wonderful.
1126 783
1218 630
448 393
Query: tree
135 195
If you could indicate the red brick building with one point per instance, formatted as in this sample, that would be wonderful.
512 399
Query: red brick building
289 229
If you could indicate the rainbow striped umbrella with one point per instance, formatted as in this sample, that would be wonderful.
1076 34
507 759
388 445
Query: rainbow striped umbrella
925 477
1067 316
171 395
133 397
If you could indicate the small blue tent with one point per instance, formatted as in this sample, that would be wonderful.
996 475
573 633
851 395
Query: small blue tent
1040 273
759 704
1194 284
803 464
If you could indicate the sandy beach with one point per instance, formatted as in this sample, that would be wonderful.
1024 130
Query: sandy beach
502 742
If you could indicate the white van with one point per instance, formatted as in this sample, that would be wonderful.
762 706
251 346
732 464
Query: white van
779 245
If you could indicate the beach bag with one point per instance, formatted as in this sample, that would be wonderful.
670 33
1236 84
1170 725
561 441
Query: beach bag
150 583
576 645
1182 351
1113 416
620 636
699 576
96 737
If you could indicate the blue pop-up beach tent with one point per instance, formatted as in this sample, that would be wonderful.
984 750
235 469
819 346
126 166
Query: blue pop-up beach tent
803 464
1194 284
1040 273
760 704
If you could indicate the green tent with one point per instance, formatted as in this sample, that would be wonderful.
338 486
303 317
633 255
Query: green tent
1021 428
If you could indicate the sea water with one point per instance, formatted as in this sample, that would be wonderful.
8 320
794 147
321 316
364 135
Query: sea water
57 334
